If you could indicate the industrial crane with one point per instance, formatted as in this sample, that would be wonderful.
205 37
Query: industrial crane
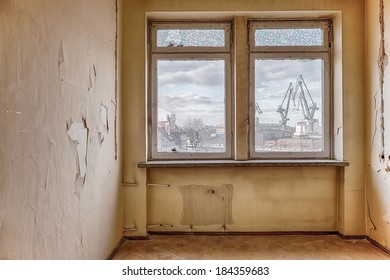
259 111
308 111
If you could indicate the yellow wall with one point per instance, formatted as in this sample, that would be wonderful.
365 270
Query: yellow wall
377 169
58 68
263 199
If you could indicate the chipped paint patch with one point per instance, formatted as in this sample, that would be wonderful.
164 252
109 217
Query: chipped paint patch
207 205
78 132
386 217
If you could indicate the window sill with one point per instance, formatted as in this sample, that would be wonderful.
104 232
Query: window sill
246 163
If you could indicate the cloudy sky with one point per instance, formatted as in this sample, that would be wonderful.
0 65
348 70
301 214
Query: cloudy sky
191 88
195 88
273 78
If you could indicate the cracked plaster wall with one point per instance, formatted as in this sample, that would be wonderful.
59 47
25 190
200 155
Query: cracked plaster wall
58 68
378 121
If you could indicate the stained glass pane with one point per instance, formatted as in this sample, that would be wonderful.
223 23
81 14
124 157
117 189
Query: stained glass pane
289 37
191 38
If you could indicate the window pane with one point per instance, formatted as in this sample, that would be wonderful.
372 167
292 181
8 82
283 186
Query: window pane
289 105
191 38
289 37
191 106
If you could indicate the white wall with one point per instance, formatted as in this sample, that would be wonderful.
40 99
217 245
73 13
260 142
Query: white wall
58 68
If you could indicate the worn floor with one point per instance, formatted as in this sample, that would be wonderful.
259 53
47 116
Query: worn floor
275 247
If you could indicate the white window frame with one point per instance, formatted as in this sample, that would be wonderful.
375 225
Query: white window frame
292 52
188 53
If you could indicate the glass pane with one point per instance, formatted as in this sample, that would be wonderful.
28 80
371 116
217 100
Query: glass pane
191 106
289 37
191 38
289 105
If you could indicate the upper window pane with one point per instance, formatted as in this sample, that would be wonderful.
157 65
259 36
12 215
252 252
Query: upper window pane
191 38
289 37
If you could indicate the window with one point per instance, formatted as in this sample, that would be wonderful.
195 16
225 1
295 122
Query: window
290 89
190 91
190 113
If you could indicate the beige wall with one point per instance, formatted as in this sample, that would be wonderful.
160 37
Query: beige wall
262 199
377 131
58 68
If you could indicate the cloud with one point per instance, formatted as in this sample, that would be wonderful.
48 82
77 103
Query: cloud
273 76
181 100
194 72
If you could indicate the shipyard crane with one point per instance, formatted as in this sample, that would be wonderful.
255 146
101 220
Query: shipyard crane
259 111
301 92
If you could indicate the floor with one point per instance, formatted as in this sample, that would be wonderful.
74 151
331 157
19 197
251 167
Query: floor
268 247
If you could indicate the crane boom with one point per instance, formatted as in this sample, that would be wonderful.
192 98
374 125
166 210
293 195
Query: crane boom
301 92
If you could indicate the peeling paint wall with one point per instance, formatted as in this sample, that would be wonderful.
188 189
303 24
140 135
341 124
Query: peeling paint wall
264 199
60 195
378 120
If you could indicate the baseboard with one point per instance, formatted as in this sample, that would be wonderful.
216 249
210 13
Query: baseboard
116 249
242 233
380 246
147 237
351 237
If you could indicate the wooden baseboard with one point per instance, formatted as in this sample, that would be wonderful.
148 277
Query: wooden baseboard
242 233
147 237
351 237
116 249
380 246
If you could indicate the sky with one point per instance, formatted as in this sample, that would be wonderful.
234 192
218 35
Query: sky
195 88
191 88
273 78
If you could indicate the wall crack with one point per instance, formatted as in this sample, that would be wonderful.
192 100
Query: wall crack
382 63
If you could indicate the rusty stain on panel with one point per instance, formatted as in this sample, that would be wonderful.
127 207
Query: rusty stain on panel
207 205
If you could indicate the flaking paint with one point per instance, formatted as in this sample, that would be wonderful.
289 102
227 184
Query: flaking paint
58 67
377 120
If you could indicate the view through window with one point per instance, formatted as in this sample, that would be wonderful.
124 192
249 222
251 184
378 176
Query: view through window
290 89
191 80
191 90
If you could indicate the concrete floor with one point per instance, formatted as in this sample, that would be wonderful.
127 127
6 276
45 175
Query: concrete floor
268 247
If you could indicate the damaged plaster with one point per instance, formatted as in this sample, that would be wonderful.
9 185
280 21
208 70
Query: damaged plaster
78 132
386 217
116 81
382 63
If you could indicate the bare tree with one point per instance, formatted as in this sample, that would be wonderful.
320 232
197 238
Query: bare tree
194 129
